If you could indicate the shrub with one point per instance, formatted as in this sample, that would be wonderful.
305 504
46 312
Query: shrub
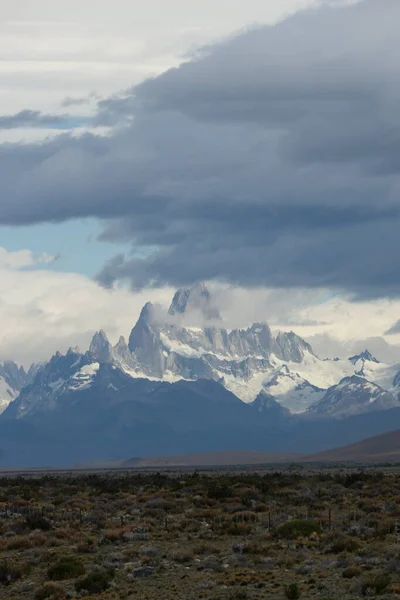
375 584
298 528
292 591
96 582
87 546
351 572
238 529
183 556
38 522
50 591
344 544
67 567
9 572
239 595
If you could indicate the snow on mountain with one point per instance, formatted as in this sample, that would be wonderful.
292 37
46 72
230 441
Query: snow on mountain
7 394
367 366
72 371
242 359
12 380
365 356
247 362
352 396
292 391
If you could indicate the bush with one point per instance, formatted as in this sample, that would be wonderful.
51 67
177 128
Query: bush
9 572
344 544
298 528
37 522
351 572
50 591
292 591
96 582
67 567
183 556
375 585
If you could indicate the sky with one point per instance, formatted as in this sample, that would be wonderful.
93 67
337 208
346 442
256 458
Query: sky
147 146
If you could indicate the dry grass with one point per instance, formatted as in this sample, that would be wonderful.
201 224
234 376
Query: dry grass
215 536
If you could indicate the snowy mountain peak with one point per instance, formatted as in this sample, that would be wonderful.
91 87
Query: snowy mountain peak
100 347
353 395
292 347
196 298
364 356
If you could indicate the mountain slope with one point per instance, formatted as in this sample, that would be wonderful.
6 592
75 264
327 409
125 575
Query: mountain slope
12 380
353 395
385 447
176 388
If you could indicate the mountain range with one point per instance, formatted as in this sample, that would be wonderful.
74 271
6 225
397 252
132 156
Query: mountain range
185 383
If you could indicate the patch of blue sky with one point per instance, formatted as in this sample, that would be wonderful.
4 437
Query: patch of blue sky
75 243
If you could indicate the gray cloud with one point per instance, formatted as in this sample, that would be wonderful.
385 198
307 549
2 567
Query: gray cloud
327 346
394 329
31 119
71 101
68 102
269 159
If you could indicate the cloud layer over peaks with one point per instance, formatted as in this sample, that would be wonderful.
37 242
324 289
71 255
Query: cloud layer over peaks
269 159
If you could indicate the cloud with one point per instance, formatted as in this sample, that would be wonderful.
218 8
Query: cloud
68 101
327 346
32 118
24 258
270 159
394 329
42 311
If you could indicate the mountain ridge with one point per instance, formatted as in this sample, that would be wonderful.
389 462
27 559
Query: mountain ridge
174 388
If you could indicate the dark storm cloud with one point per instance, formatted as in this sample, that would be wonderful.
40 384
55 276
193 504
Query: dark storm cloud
269 159
31 119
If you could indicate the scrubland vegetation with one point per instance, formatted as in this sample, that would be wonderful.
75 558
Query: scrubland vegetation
329 534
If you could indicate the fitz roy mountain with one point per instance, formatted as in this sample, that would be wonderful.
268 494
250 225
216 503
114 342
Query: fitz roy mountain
173 388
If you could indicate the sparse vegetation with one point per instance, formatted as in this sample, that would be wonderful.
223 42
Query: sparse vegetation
239 535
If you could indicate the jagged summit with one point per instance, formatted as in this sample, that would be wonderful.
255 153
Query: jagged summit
365 356
197 298
100 347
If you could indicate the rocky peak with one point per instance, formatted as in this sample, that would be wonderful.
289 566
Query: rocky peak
396 380
14 375
147 312
291 347
100 348
364 356
121 343
266 404
196 298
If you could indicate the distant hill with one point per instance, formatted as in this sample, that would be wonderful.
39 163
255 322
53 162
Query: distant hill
214 459
380 448
227 458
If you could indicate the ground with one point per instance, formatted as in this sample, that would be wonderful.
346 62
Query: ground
296 532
